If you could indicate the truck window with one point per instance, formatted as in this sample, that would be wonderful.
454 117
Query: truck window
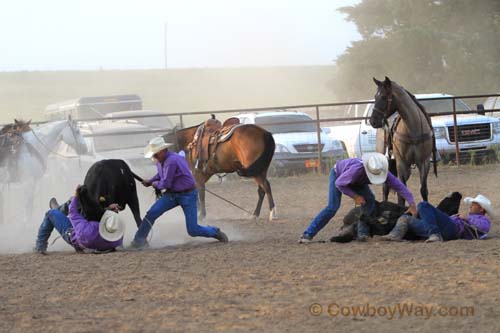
444 105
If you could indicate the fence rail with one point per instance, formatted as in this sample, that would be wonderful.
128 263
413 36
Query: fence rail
317 111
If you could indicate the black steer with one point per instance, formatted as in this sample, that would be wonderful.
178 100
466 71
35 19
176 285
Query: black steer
112 181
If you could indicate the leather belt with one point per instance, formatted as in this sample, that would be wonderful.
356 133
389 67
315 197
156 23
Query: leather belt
183 191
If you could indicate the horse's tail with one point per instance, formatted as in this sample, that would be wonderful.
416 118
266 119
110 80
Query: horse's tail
434 159
262 163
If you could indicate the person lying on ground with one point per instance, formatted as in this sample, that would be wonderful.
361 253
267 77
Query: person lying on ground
384 218
352 177
434 225
175 178
380 222
91 236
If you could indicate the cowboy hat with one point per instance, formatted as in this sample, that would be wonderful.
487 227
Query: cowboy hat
111 228
376 167
156 145
483 201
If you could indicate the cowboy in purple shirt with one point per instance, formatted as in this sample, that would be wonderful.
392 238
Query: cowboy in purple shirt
352 177
434 225
175 178
84 235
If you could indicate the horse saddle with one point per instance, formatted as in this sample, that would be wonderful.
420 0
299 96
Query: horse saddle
206 138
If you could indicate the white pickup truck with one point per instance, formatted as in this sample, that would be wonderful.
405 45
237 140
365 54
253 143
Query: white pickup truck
296 141
477 134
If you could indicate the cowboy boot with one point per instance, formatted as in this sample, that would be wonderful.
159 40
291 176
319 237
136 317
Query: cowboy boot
53 203
399 231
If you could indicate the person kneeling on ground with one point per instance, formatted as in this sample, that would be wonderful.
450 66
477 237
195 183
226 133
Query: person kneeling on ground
352 177
83 235
178 182
434 225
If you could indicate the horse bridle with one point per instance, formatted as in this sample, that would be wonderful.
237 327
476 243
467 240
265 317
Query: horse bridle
384 112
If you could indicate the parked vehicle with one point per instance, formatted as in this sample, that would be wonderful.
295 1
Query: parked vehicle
92 107
492 106
296 141
477 134
107 141
153 119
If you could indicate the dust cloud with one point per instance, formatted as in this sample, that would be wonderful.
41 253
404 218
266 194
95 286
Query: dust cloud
19 227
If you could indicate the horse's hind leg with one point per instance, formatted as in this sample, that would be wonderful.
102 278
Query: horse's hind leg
261 193
201 179
265 188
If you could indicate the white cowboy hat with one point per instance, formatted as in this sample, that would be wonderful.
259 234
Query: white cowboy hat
111 228
155 145
482 201
376 167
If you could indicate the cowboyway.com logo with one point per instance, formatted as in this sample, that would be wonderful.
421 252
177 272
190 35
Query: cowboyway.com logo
390 312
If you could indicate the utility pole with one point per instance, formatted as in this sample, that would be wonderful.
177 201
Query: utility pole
165 42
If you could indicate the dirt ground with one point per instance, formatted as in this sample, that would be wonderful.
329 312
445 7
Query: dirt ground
264 280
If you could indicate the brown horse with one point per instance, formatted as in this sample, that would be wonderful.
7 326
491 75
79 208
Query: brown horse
11 138
412 135
248 152
18 126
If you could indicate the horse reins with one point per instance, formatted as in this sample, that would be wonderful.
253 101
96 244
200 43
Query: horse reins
49 149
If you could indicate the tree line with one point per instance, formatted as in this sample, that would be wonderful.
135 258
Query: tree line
450 46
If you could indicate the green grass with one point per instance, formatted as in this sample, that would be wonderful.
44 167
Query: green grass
26 94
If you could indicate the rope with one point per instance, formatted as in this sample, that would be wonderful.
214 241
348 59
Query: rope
229 202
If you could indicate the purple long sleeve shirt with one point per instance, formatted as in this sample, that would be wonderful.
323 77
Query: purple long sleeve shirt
86 233
351 173
173 174
481 222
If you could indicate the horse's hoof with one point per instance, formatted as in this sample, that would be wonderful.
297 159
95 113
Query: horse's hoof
273 215
254 217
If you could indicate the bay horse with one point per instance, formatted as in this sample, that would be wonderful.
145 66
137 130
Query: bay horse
30 160
248 152
411 137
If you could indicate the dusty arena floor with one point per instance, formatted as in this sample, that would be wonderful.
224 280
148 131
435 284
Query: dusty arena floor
263 280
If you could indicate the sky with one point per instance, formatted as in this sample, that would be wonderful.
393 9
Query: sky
149 34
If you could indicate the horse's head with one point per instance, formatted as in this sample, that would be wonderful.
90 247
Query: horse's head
71 136
22 126
384 106
180 137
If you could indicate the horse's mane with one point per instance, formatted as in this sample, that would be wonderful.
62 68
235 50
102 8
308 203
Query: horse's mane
420 106
415 100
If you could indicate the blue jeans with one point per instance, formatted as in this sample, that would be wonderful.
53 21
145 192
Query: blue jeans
334 198
188 202
432 221
54 218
